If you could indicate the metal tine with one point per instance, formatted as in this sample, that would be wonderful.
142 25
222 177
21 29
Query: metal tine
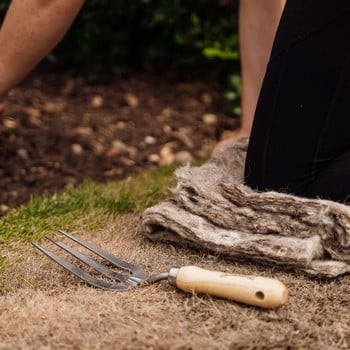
75 270
136 271
91 262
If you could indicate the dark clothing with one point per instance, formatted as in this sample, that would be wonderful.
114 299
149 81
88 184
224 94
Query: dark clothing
300 141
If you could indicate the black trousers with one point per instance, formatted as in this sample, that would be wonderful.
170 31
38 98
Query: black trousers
300 141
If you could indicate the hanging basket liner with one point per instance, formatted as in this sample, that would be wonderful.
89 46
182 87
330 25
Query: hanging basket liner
211 208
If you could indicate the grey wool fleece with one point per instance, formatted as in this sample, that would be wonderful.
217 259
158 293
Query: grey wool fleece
212 209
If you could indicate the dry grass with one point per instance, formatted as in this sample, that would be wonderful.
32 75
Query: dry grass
42 307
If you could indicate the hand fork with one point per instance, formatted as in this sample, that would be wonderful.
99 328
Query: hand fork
252 290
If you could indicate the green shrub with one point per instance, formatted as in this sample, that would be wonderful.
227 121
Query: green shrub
174 37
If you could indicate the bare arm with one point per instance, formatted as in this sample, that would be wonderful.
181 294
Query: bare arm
31 29
258 21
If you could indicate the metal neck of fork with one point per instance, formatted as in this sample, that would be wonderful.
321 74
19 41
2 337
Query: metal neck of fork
158 277
170 276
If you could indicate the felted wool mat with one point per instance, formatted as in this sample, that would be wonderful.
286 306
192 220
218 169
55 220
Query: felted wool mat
211 208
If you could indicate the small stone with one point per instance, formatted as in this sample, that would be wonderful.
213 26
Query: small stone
131 99
4 208
10 123
98 148
82 131
22 153
185 135
154 158
32 112
54 107
14 194
167 129
127 161
132 152
150 140
210 119
118 148
167 112
183 157
121 125
97 101
35 121
167 156
77 149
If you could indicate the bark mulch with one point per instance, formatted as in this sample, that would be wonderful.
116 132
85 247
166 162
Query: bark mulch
58 131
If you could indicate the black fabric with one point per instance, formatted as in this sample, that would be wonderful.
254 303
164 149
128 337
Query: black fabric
300 141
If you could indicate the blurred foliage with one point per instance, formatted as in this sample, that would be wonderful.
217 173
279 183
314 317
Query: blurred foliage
178 38
3 6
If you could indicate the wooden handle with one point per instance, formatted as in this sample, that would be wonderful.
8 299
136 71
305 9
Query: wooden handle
252 290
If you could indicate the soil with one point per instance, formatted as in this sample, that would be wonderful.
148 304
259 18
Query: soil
59 131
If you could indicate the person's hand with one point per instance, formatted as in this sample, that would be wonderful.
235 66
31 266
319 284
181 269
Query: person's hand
229 140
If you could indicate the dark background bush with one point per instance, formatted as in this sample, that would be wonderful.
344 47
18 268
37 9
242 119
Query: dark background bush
177 38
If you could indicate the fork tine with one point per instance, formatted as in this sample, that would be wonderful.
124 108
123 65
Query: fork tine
75 270
135 270
90 262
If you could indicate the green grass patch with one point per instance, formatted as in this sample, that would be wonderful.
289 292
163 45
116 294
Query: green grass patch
91 202
2 265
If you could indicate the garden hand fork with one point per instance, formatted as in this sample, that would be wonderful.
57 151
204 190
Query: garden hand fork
252 290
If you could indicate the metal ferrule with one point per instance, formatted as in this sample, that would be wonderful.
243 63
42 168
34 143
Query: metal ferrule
172 275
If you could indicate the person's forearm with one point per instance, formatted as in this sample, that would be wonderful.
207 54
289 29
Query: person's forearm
31 29
258 21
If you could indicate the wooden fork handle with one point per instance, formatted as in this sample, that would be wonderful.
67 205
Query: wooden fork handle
252 290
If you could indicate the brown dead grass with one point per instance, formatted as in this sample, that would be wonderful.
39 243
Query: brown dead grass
42 307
